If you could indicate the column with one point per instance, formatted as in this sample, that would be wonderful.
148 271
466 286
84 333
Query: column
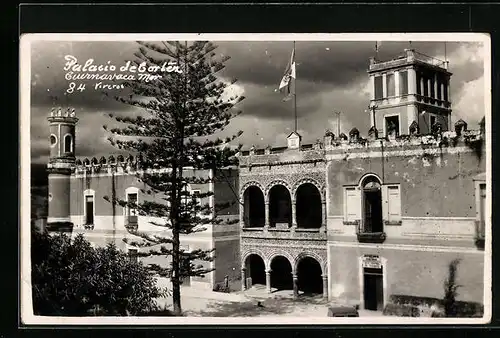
294 214
242 213
448 89
436 86
295 285
422 85
372 87
323 212
372 116
243 279
325 286
429 87
412 82
268 281
266 222
396 84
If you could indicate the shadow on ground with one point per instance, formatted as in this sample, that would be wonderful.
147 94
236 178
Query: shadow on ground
269 307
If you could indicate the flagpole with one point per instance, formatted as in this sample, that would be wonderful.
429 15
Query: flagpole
295 89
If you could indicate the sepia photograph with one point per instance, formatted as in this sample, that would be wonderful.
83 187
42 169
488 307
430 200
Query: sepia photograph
255 179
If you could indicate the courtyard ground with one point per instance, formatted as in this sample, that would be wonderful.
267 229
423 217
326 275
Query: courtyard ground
206 303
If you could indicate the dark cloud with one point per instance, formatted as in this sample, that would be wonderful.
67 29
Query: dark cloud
331 76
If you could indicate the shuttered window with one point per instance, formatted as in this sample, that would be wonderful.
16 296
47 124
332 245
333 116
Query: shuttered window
394 203
352 204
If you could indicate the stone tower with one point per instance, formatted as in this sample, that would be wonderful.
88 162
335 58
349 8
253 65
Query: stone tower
61 162
411 89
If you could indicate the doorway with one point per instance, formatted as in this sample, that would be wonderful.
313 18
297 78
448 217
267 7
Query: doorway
281 274
373 289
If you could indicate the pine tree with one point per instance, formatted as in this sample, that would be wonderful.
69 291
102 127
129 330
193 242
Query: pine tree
184 112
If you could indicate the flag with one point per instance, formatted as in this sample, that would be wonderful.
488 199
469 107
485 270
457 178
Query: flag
286 81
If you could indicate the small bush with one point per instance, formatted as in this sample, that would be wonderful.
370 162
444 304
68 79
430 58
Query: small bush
71 278
401 310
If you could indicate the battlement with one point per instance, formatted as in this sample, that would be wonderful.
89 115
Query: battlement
409 56
62 116
354 142
120 164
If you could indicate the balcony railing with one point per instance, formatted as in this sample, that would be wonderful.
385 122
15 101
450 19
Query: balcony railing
367 236
131 223
371 237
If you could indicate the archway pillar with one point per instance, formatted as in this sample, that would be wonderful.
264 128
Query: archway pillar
243 278
242 213
295 285
323 213
268 281
266 221
325 286
294 214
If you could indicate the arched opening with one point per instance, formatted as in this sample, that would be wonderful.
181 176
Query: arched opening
372 205
281 274
309 279
53 140
308 204
280 206
254 207
68 144
256 270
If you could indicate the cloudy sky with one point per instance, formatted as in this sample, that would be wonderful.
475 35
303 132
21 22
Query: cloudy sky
331 76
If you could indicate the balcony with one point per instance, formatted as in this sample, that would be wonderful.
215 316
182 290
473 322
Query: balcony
371 237
480 232
285 233
132 223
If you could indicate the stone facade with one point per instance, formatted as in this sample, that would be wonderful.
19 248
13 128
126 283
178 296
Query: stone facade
429 213
360 220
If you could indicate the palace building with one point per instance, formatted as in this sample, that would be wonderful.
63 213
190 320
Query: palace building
360 220
80 194
371 220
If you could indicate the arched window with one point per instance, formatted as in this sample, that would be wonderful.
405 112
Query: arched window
68 143
372 205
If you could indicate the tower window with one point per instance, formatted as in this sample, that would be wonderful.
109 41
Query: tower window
391 85
53 140
392 125
403 83
445 91
426 86
68 144
379 91
439 84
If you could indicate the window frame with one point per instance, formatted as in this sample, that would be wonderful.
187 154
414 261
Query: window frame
392 219
375 91
389 76
403 75
126 209
70 144
52 145
399 123
88 193
352 218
